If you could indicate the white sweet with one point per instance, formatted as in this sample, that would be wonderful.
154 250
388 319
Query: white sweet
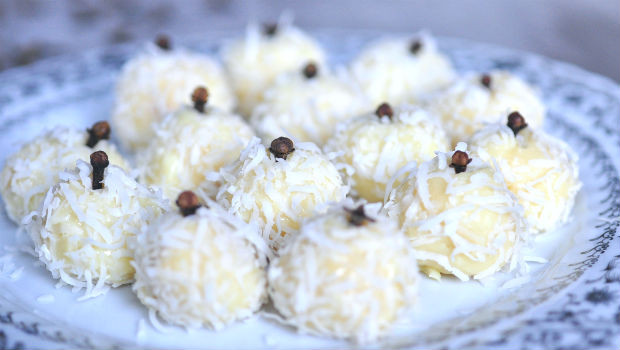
278 194
376 148
306 109
254 61
29 173
540 170
389 72
467 105
467 224
188 144
156 83
200 270
83 236
345 281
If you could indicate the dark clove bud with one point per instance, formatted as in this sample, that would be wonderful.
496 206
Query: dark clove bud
188 203
460 160
270 29
384 110
200 96
99 161
163 42
99 131
282 147
485 80
415 47
357 216
310 70
516 122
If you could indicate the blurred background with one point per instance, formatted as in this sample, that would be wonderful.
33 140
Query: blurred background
583 32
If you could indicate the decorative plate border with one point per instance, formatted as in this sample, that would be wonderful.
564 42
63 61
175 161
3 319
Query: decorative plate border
587 314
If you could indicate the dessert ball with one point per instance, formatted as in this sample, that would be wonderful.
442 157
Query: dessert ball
459 215
156 83
84 229
254 61
375 146
346 275
279 186
478 99
200 266
401 70
540 170
29 173
305 105
190 143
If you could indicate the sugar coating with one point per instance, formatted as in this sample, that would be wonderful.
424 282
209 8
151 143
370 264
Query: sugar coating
157 82
375 148
188 144
389 72
306 109
345 281
540 170
28 174
200 270
466 106
278 194
84 236
254 61
467 224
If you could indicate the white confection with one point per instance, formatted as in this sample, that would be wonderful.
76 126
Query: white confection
202 269
345 281
467 224
307 109
29 173
278 194
156 83
189 144
254 61
376 148
389 72
467 105
540 170
83 236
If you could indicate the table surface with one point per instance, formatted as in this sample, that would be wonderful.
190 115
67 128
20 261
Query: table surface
586 33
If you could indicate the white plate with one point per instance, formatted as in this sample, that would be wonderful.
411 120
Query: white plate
572 301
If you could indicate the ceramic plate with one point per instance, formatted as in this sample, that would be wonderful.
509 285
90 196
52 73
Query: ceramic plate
570 301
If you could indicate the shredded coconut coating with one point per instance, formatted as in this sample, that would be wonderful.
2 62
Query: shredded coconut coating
389 72
467 106
539 169
254 61
278 194
30 172
374 148
345 281
83 236
189 144
156 83
307 109
467 224
201 270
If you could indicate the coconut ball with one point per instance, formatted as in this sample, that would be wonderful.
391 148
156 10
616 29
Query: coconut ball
190 143
84 229
459 215
478 99
254 61
156 83
279 186
345 275
399 70
540 170
31 171
200 267
376 145
306 105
